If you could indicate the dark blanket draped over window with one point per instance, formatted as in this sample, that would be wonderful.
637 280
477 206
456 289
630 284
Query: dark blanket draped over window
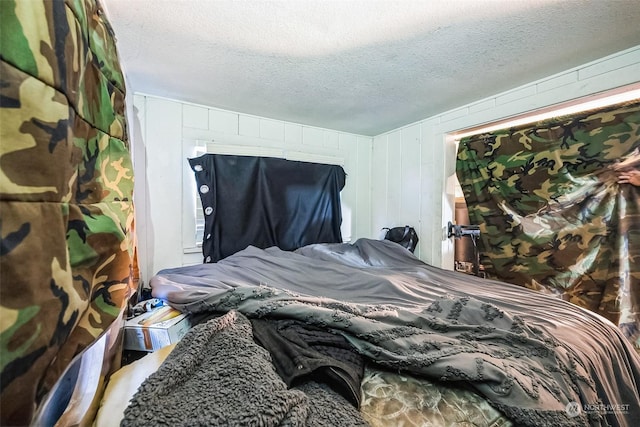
551 213
266 202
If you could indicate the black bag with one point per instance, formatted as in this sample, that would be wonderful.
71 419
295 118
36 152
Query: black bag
405 236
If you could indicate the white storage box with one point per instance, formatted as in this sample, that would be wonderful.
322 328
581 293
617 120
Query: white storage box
155 329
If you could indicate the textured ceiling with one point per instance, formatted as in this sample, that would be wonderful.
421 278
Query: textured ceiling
364 67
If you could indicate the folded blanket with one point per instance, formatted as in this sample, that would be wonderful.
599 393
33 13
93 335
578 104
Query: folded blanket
217 375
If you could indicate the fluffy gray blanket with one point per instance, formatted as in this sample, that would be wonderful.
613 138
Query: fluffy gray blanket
218 376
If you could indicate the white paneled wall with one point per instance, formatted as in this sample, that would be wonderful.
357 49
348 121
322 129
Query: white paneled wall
414 178
405 176
170 131
406 179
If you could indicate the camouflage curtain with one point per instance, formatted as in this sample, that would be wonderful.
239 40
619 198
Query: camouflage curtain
552 215
66 248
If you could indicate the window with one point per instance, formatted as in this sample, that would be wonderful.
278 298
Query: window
193 217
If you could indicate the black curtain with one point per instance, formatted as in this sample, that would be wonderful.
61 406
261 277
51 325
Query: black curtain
264 202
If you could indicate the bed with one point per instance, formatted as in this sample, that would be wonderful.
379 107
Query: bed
424 346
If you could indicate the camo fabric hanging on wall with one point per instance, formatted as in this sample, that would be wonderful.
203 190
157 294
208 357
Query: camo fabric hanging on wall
66 189
552 215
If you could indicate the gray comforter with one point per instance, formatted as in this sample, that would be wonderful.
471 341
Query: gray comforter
540 360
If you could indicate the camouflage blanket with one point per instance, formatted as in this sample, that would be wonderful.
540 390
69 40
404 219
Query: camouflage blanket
65 193
552 214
